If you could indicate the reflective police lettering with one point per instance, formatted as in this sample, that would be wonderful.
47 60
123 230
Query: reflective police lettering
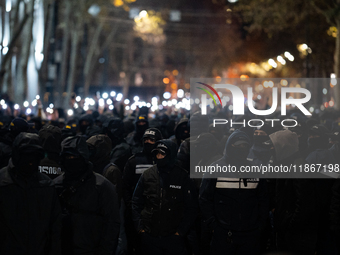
175 187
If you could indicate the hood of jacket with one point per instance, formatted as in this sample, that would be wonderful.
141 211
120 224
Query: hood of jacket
100 148
50 138
181 123
286 143
75 145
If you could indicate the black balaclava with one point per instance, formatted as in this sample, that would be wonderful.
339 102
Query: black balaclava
182 131
321 139
84 122
234 154
74 167
169 148
114 129
154 134
26 155
140 129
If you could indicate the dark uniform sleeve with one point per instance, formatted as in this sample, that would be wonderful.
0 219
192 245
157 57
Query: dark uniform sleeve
206 201
138 204
55 227
115 177
128 181
335 207
191 207
110 214
263 203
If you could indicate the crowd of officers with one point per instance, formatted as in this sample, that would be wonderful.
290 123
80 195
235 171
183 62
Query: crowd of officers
99 184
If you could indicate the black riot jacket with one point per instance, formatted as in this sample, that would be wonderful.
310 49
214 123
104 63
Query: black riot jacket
90 215
30 214
164 207
135 166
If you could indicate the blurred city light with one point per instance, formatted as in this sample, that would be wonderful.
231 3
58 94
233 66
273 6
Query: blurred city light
113 93
119 97
26 104
167 95
272 62
70 112
126 101
180 93
16 107
105 95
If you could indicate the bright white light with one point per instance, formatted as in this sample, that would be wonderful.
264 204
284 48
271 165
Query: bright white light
112 93
111 107
51 106
37 97
8 5
154 108
119 97
148 105
101 102
75 106
324 91
78 98
281 60
136 98
4 106
39 57
109 101
91 101
143 14
126 101
232 1
174 101
26 104
334 81
70 112
5 50
180 93
167 95
169 103
165 103
28 111
304 46
34 102
16 107
289 56
127 107
197 101
333 75
154 100
105 95
86 107
272 62
2 102
133 107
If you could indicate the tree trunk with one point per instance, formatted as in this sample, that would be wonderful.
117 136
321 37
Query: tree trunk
64 58
337 66
11 45
73 64
22 81
49 20
90 67
89 62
